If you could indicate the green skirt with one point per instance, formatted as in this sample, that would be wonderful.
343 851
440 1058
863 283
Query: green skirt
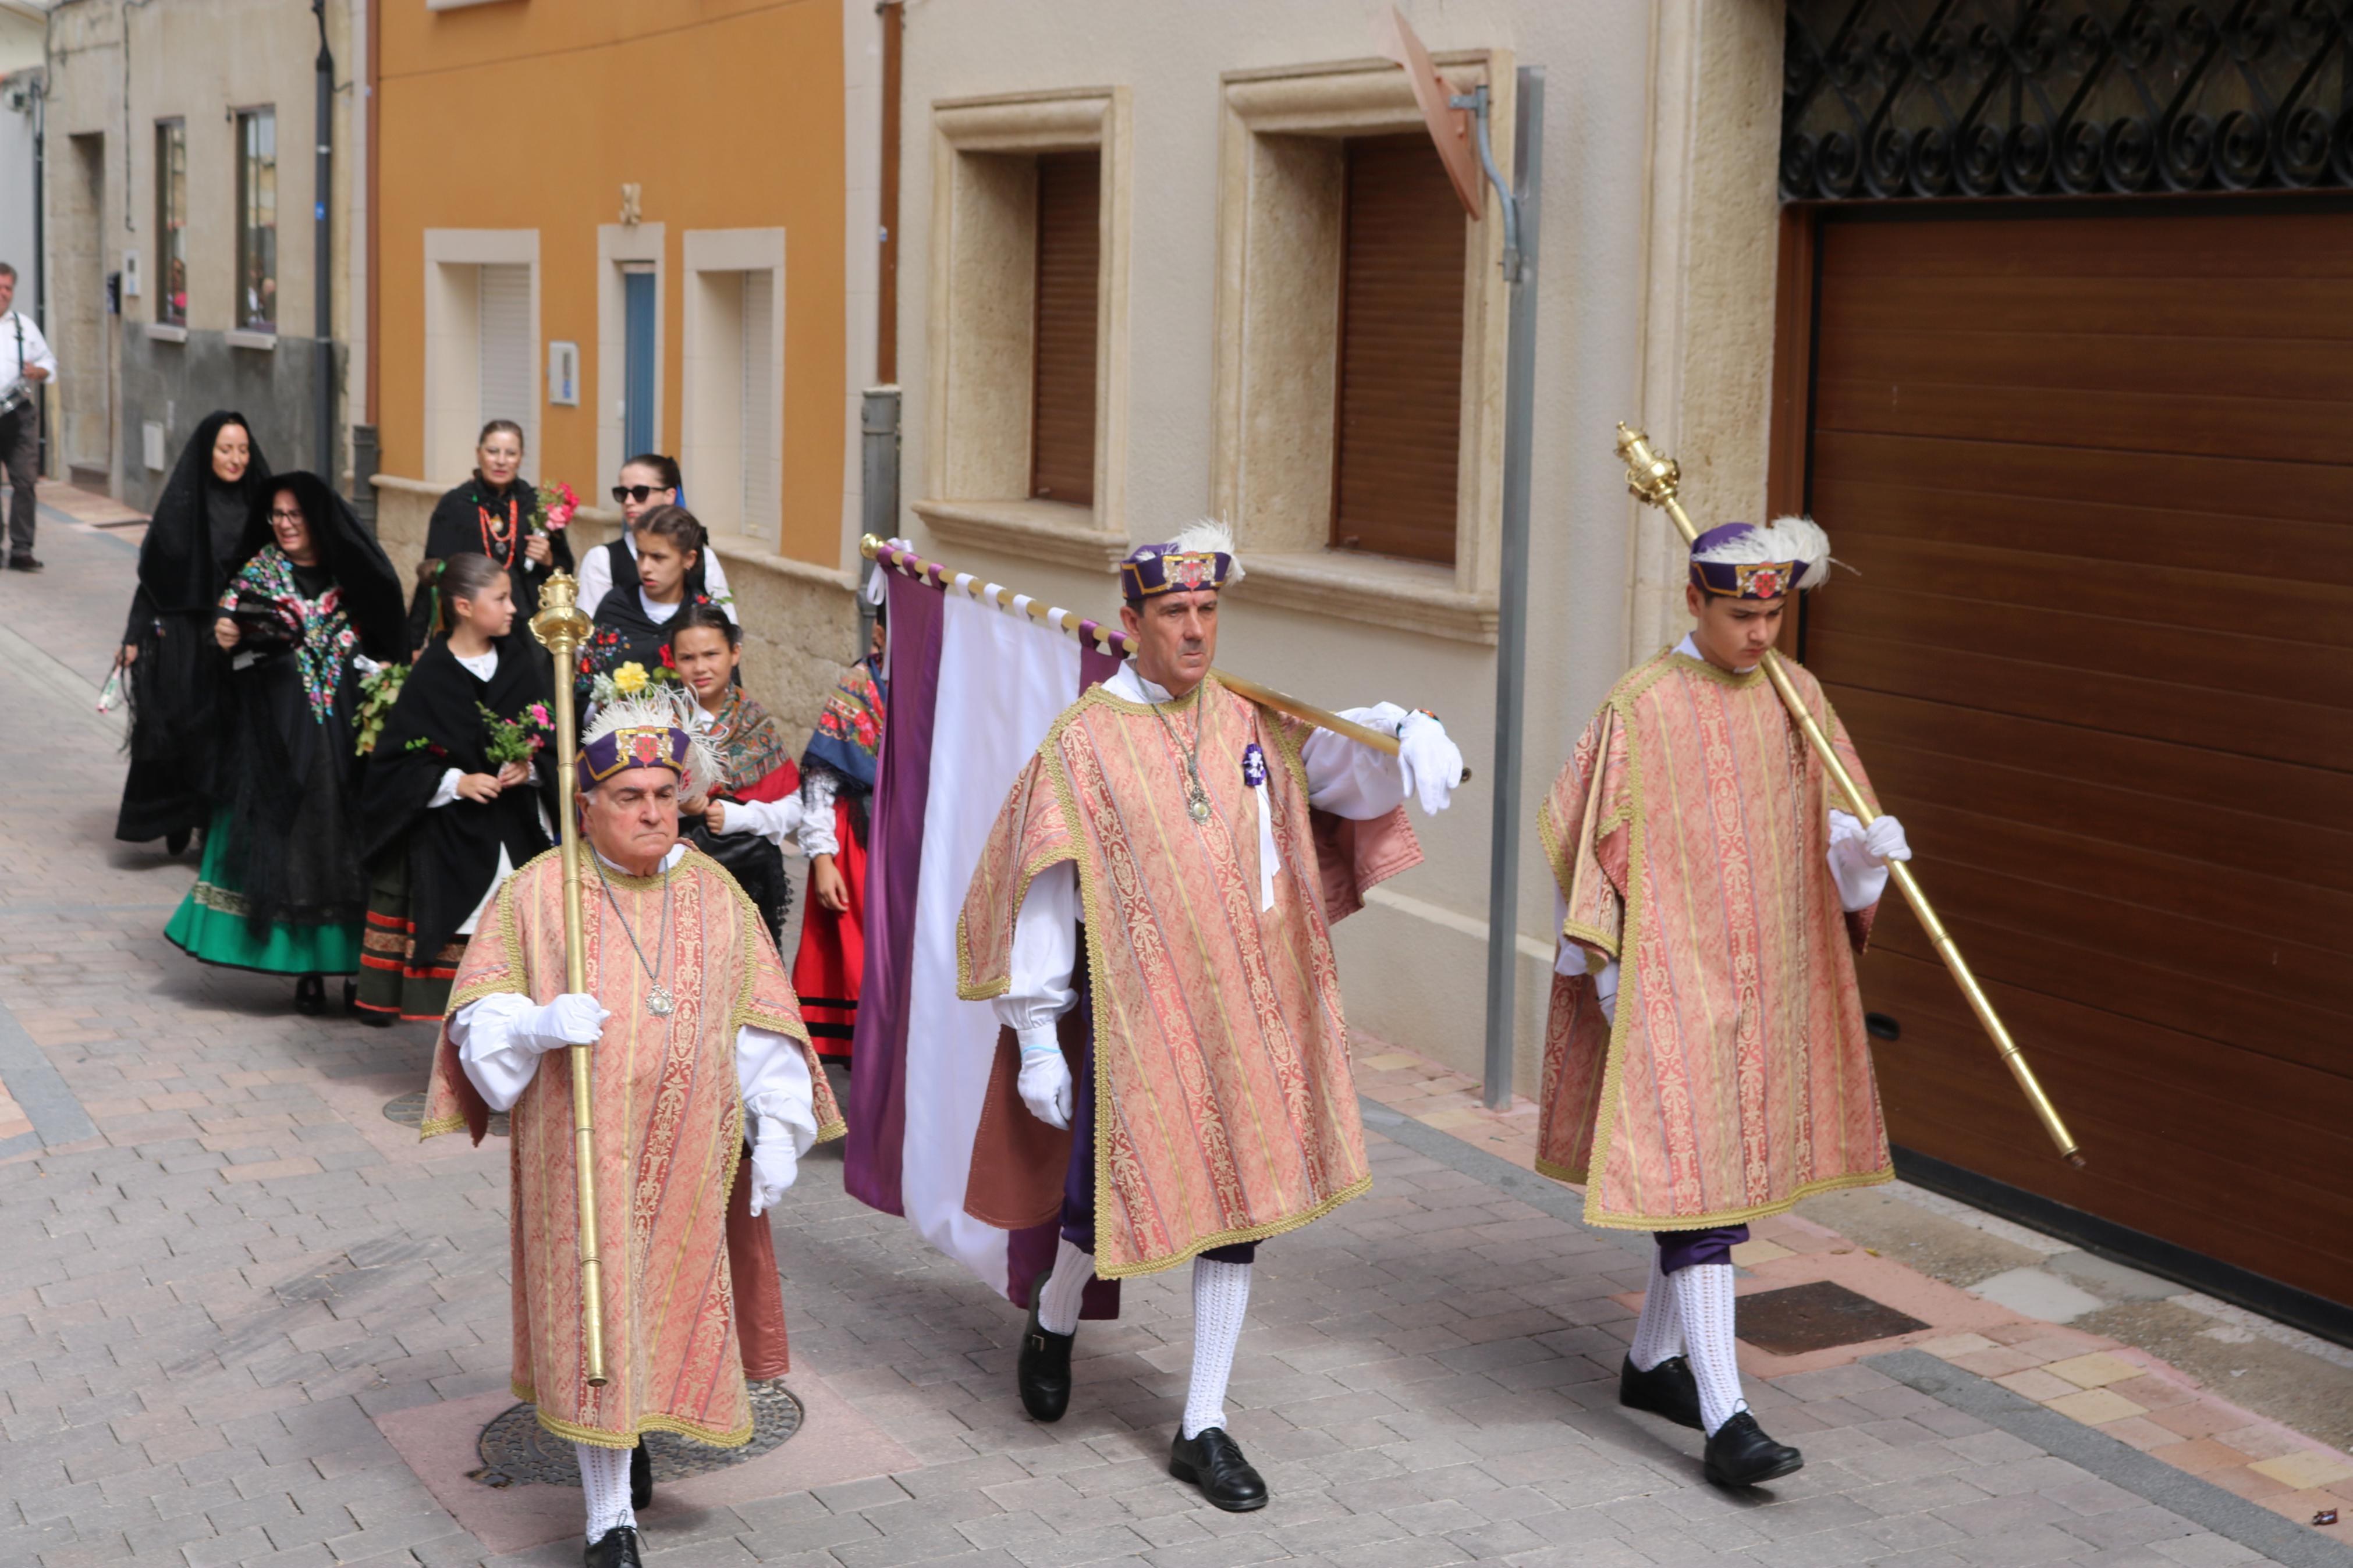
394 978
210 924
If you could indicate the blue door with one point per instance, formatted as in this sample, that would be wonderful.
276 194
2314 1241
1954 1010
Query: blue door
637 433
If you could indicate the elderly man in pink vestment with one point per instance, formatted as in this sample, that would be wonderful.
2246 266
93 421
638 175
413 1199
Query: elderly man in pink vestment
699 1047
1196 846
1706 1062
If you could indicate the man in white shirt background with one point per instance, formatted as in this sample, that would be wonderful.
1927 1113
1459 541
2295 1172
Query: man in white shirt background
24 357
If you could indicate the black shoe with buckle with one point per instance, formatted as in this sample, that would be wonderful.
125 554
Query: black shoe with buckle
1668 1389
1213 1461
641 1476
1740 1454
1043 1371
616 1548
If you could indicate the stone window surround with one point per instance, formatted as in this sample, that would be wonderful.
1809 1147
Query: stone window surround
1279 221
616 244
976 446
705 446
452 342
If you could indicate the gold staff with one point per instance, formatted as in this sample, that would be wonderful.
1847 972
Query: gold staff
562 627
1111 640
1654 479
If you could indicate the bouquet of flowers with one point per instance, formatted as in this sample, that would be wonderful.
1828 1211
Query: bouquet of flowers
379 689
632 679
556 505
515 740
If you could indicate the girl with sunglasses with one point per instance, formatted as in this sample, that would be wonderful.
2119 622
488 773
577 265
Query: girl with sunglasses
647 481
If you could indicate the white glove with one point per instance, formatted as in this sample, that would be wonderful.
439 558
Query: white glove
774 1163
574 1018
1859 857
1433 763
1045 1084
1884 839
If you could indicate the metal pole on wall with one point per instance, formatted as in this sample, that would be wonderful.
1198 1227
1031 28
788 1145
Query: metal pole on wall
878 429
1521 211
323 255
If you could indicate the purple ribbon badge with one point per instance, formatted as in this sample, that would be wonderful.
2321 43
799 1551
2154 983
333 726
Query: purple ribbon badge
1254 767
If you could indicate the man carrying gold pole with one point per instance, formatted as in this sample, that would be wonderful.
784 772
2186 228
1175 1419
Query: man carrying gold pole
1705 1060
648 979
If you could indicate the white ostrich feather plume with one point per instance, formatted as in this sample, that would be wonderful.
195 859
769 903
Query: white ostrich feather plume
1210 534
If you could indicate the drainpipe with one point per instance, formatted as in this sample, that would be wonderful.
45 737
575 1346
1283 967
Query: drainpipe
323 255
40 235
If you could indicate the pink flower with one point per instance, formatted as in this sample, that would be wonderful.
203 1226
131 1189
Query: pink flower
539 715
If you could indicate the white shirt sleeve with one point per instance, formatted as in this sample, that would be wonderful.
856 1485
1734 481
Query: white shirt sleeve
774 820
483 1032
714 581
447 791
1350 779
596 580
1572 959
819 787
1045 951
773 1075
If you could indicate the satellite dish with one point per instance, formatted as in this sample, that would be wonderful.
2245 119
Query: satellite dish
1450 127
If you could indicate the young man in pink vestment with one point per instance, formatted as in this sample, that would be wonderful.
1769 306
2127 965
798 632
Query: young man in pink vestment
1706 1061
1165 824
699 1045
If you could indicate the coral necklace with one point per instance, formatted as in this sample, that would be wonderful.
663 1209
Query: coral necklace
498 542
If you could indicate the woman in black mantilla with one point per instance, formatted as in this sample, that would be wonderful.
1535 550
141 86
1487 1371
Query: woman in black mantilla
446 819
495 513
281 889
171 665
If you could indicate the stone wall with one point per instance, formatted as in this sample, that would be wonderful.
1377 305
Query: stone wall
800 622
177 384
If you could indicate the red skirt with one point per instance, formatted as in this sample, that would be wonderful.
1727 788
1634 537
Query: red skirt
832 959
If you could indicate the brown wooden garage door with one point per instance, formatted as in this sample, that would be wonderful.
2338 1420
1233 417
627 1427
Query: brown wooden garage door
2097 474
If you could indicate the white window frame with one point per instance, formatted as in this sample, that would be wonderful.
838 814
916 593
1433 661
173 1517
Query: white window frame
710 415
617 243
453 398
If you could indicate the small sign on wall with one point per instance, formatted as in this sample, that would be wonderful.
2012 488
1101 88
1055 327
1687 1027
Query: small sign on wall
563 374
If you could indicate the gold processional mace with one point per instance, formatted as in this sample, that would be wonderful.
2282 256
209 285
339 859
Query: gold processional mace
1654 481
563 629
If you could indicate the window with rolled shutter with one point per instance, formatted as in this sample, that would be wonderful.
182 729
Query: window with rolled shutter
508 381
1063 410
1400 370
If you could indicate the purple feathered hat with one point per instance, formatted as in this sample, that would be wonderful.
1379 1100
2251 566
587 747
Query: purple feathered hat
1744 561
1200 557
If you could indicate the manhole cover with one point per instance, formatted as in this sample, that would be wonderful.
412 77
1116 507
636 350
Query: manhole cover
1817 1316
516 1450
408 1110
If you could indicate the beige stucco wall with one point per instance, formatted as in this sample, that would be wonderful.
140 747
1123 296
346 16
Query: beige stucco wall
1652 307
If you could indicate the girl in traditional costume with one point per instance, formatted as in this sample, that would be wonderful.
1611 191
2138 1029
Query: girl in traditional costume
495 513
633 627
447 818
837 791
744 822
281 888
647 481
174 668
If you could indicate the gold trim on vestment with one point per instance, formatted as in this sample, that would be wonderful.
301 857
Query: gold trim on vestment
1355 1189
1559 1173
715 1437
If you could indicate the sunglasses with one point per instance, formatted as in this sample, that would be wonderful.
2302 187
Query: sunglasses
636 492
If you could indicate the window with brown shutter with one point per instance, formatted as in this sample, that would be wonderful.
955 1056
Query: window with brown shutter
1063 411
1401 371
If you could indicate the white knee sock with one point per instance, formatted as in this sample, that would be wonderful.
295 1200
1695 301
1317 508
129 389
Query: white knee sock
605 1480
1703 1295
1657 1332
1058 1303
1220 1297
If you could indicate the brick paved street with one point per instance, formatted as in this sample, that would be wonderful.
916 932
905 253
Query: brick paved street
245 1318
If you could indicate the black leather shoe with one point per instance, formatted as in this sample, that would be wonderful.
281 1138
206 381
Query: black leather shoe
1740 1454
23 564
1668 1389
1213 1462
641 1476
1043 1371
311 994
616 1548
175 841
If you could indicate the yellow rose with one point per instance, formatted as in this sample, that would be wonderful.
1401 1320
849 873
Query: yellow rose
630 679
